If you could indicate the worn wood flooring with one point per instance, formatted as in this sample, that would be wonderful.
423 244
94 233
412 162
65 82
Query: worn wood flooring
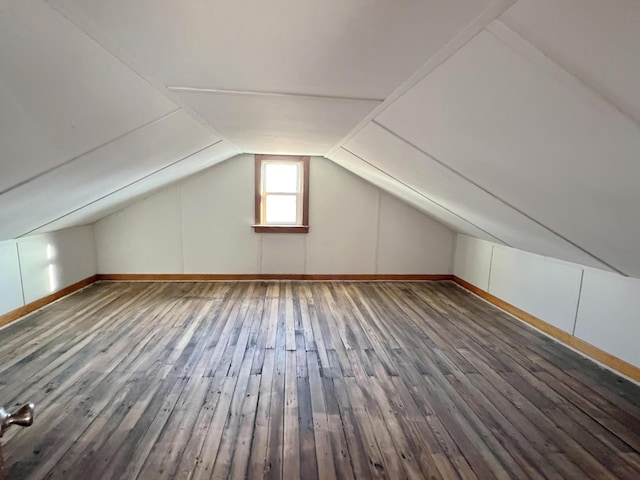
312 380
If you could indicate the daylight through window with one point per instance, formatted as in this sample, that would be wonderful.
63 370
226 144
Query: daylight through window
282 194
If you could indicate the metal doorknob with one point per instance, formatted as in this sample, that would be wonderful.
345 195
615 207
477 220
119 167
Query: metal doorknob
22 417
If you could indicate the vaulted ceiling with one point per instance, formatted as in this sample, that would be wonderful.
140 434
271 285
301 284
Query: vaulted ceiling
513 121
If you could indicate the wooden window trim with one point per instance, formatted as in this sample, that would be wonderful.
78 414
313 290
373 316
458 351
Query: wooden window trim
260 227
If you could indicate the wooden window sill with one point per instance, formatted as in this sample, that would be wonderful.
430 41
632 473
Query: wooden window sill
281 228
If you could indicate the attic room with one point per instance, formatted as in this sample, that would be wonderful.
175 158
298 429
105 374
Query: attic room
337 239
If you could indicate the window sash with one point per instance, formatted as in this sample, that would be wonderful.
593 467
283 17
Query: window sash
266 163
297 196
265 193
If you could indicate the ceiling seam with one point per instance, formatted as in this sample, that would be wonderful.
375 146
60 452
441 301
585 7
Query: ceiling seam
133 65
125 186
258 93
452 170
463 37
424 196
87 152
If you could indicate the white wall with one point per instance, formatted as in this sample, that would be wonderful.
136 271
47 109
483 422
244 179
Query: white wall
472 261
344 216
35 266
598 307
217 210
203 225
608 314
10 280
144 238
539 285
398 250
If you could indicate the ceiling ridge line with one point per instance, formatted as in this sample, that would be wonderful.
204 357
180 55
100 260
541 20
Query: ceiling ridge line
424 196
125 186
458 41
207 90
560 72
467 179
87 152
121 55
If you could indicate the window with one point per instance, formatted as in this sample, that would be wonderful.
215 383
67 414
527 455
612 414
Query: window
282 194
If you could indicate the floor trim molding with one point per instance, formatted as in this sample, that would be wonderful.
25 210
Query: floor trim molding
20 312
152 277
587 349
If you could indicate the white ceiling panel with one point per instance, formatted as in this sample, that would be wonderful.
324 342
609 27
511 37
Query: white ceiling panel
596 40
528 135
143 187
101 172
283 125
541 142
403 162
61 94
336 47
382 180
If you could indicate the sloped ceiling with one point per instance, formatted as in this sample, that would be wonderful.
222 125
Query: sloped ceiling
517 122
80 131
530 132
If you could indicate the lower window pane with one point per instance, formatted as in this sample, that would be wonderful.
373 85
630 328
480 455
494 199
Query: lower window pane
281 209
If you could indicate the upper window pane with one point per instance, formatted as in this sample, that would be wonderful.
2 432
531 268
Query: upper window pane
281 177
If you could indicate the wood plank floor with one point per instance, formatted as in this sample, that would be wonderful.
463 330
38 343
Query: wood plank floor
305 380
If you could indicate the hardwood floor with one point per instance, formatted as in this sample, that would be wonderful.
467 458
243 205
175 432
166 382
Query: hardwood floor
305 380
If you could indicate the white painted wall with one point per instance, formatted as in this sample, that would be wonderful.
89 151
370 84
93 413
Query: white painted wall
598 307
144 238
217 210
35 266
344 218
545 288
472 261
282 253
203 225
400 227
608 316
10 280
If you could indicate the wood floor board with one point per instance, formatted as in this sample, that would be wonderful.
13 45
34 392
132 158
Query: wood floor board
311 380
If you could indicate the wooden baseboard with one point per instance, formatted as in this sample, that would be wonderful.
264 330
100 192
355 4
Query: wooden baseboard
41 302
591 351
152 277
